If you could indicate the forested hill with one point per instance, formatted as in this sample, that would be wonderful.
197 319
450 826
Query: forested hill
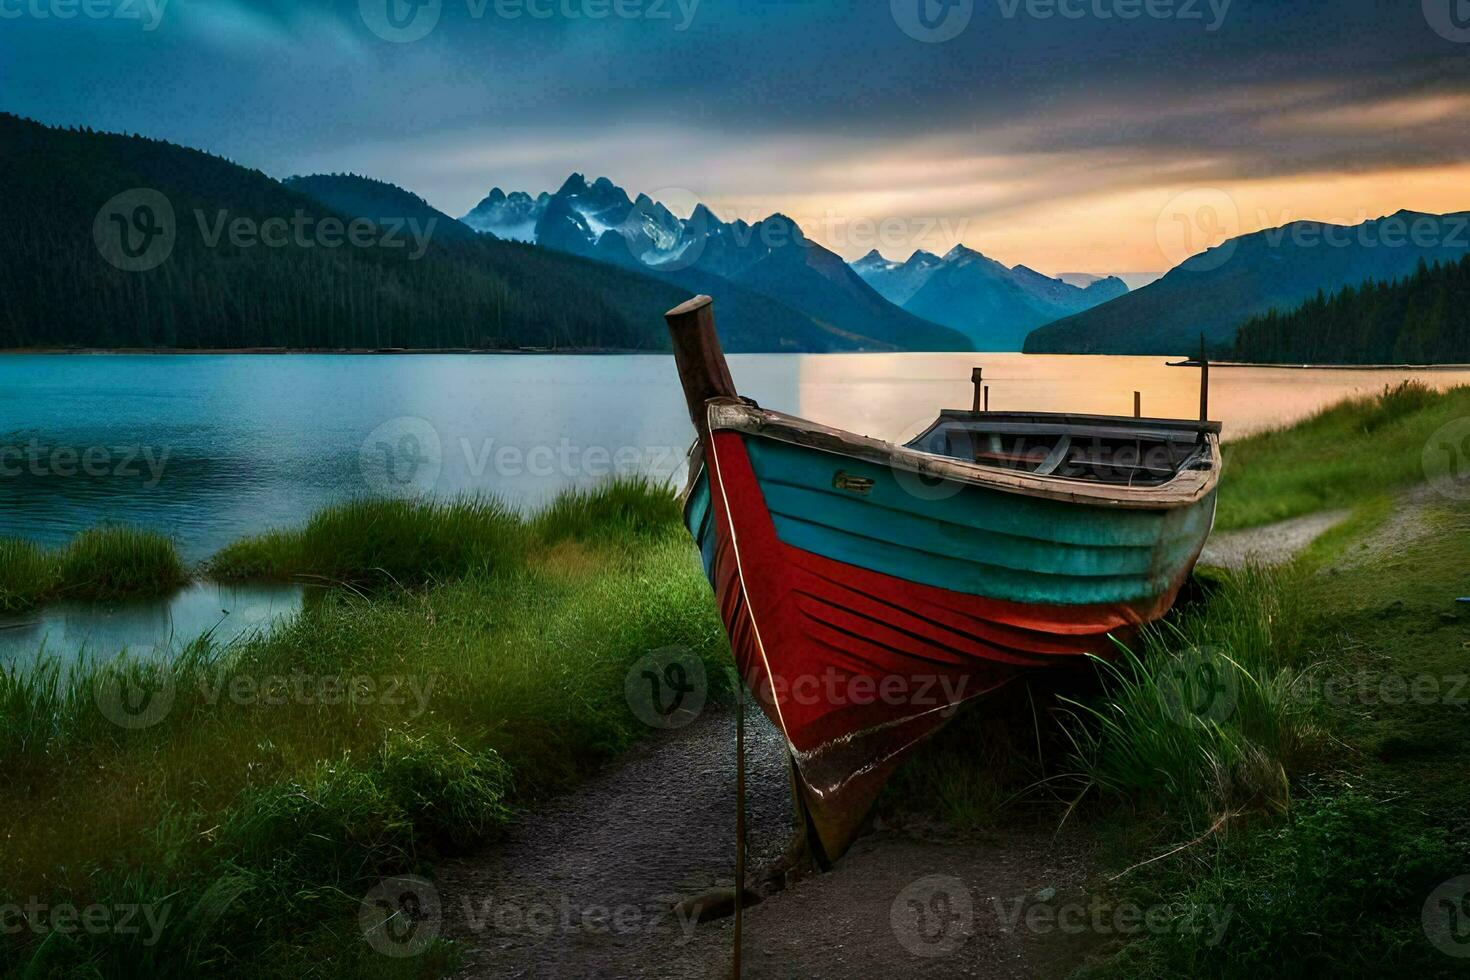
1422 319
189 257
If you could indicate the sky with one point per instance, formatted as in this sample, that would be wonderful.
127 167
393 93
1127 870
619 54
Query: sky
1105 136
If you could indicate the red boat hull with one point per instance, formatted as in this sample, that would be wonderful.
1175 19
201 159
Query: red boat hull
857 667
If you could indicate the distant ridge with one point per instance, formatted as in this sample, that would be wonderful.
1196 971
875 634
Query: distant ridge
1214 292
995 307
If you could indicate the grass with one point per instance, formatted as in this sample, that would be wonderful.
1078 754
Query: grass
259 818
1258 751
263 815
1205 714
1340 457
1329 802
369 543
104 564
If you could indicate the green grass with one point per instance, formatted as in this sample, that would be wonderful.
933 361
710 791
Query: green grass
1341 456
1212 763
382 542
1204 715
512 662
103 564
1358 808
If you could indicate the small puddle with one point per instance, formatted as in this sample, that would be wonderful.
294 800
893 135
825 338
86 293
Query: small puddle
145 628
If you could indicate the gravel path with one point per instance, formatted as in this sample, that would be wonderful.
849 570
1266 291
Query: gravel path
1274 544
583 886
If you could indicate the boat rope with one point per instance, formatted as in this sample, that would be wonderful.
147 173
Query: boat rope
739 817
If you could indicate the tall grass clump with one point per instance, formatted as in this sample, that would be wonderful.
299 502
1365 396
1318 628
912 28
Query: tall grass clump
1206 714
120 562
102 564
632 506
372 542
27 575
1341 457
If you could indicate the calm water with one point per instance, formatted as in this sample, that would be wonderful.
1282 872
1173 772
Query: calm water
212 448
72 630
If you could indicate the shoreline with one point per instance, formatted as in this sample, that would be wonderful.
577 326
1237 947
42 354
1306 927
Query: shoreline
614 351
1335 367
380 351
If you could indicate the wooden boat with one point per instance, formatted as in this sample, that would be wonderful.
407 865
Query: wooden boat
868 588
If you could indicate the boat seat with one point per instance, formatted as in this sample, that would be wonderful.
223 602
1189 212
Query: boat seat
1054 458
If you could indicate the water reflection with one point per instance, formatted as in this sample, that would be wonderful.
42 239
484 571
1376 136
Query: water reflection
100 631
250 443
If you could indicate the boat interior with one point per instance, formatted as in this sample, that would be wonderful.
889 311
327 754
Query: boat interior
1104 449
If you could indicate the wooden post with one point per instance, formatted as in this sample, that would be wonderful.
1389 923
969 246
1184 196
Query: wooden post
977 378
701 361
987 398
1204 388
1138 404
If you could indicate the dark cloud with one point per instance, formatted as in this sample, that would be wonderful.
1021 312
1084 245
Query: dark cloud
1244 89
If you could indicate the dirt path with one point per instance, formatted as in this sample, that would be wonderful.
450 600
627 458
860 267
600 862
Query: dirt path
583 887
1274 544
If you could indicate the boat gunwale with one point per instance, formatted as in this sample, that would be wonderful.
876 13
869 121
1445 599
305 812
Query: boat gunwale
1196 478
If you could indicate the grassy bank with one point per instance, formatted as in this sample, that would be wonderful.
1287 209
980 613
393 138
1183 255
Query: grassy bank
465 661
1344 456
1289 745
100 564
475 662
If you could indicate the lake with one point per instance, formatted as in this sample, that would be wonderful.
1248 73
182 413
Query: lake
210 448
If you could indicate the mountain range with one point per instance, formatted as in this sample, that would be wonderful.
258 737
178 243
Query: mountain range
994 306
1213 293
771 258
589 267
